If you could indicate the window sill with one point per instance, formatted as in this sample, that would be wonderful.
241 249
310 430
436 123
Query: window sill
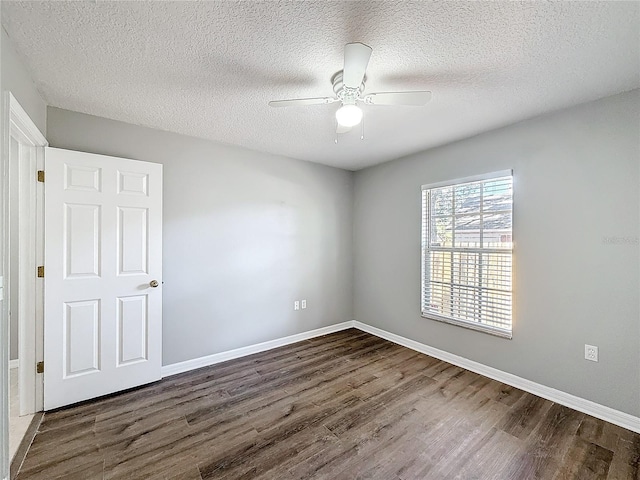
498 332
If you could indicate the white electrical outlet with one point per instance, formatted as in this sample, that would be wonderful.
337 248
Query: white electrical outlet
304 304
591 353
296 305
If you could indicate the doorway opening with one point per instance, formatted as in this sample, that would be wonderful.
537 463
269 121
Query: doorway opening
24 240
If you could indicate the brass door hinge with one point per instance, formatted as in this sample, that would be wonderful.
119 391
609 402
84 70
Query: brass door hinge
40 367
41 175
41 271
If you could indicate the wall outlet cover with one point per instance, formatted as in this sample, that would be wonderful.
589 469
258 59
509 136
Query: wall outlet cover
591 353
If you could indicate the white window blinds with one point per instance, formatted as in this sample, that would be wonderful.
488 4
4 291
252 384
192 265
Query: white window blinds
467 252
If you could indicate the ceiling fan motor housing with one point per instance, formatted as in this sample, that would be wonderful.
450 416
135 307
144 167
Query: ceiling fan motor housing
347 95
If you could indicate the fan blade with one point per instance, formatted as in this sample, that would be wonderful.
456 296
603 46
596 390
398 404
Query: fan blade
342 129
302 101
356 59
398 98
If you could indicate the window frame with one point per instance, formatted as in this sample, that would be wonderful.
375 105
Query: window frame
425 247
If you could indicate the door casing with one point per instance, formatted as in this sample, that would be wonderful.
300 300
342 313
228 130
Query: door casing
29 250
17 124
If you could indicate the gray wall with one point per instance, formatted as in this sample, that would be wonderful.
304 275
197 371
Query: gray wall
245 234
16 79
576 183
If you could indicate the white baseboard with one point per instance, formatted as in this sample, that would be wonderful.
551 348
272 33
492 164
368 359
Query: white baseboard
602 412
187 365
14 363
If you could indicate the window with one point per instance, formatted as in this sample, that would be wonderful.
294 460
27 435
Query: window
467 252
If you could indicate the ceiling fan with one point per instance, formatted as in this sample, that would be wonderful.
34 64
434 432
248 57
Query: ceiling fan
348 85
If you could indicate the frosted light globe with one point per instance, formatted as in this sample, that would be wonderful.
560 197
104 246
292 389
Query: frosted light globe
349 115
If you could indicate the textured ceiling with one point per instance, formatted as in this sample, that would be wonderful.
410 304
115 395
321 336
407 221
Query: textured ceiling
208 69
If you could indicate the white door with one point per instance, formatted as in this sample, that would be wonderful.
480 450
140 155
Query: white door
103 275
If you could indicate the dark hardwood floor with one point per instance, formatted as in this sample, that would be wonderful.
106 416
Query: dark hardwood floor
343 406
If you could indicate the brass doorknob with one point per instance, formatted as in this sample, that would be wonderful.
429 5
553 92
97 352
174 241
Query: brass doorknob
153 283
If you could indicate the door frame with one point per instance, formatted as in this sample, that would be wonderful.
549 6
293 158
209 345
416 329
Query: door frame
30 254
17 123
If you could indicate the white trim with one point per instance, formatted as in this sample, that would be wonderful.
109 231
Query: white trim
473 178
478 327
14 121
4 314
597 410
26 265
14 363
21 127
22 121
188 365
39 293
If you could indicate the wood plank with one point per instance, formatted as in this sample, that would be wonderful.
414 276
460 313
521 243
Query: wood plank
525 415
585 461
548 444
626 458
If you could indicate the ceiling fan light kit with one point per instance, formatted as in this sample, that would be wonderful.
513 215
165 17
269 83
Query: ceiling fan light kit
349 115
348 86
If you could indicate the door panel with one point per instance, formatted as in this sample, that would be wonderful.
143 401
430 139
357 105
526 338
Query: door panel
80 178
81 345
132 325
133 227
103 320
82 240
